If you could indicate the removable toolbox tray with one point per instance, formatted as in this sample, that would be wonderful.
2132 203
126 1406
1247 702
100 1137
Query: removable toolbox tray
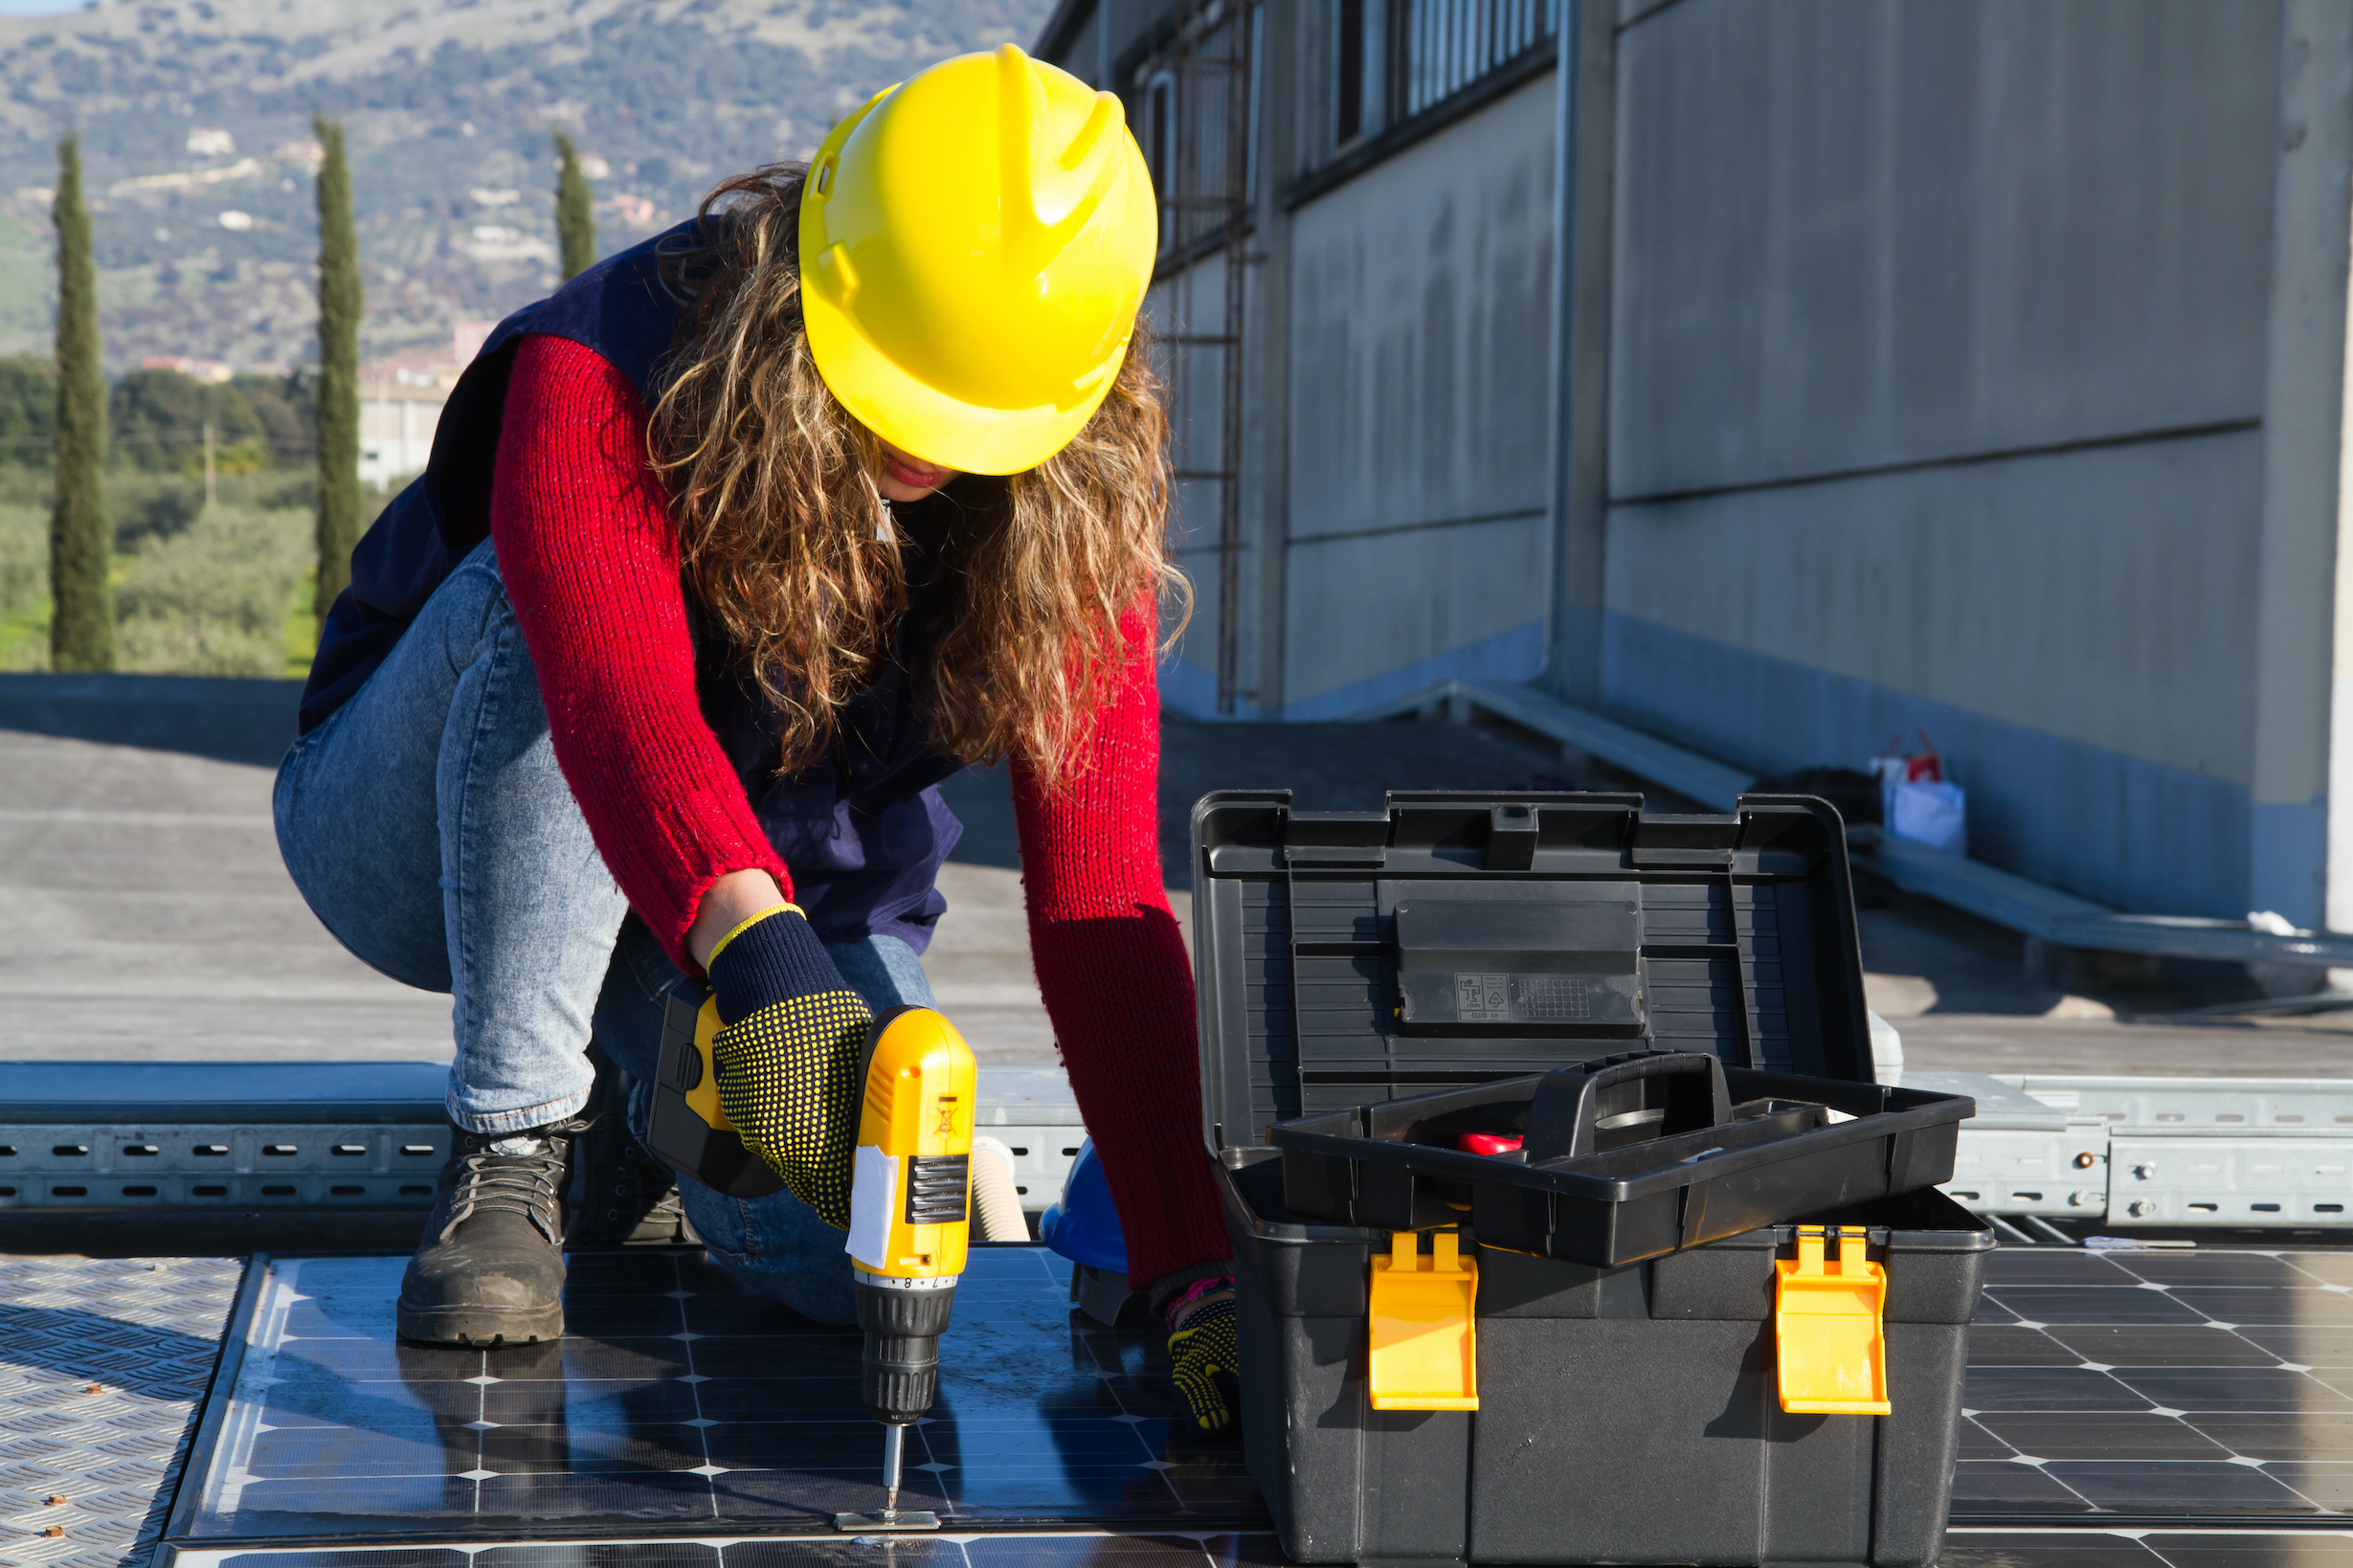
1622 1158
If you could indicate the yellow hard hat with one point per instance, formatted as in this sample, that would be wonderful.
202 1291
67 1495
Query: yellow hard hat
974 245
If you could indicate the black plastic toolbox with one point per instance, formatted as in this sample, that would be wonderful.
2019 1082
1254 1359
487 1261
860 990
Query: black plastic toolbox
1627 1415
1367 976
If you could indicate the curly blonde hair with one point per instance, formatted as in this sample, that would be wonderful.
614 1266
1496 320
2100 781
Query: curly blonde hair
788 544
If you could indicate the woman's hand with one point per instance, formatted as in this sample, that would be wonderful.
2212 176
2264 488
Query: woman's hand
1203 1351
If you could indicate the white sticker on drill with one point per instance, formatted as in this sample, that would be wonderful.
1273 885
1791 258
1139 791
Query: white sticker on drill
874 1197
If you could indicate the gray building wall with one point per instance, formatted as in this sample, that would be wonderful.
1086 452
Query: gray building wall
1419 428
1971 367
1937 380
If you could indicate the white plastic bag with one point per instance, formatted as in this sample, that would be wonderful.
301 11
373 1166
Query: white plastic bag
1927 813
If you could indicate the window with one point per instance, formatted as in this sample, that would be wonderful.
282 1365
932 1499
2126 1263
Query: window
1440 47
1160 145
1348 71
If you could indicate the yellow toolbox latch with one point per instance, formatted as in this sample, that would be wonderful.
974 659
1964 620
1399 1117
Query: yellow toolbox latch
1827 1326
1424 1349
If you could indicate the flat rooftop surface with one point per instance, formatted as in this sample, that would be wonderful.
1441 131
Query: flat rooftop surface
145 913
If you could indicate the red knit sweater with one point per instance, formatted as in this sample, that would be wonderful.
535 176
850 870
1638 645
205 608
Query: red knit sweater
591 562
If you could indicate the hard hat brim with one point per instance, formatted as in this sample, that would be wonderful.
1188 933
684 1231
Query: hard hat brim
925 422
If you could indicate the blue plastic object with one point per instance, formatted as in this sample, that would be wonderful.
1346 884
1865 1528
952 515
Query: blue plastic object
1083 1227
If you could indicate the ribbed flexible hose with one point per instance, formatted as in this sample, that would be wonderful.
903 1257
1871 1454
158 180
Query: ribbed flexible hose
997 1203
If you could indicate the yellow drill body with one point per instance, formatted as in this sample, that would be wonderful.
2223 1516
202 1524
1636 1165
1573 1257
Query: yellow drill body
911 1194
911 1212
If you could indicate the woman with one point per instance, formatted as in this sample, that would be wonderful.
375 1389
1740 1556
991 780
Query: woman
728 553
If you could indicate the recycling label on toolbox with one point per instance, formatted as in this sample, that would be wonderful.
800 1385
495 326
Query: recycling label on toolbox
1535 999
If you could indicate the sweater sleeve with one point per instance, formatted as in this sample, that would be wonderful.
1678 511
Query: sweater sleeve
591 562
1112 970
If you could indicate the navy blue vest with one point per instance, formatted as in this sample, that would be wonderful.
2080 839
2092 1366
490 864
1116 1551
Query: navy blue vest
864 832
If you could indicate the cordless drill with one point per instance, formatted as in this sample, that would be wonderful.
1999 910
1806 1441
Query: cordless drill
910 1201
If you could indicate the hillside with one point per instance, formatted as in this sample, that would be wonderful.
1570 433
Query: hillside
198 150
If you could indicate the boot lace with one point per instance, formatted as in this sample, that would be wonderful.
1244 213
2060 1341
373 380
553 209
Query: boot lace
530 1185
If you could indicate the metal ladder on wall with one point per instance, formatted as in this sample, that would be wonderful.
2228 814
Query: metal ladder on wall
1208 58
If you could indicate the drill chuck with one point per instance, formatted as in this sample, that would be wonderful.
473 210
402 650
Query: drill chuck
898 1368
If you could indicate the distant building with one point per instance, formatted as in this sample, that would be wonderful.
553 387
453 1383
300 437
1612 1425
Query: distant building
399 407
631 212
211 372
466 339
1977 367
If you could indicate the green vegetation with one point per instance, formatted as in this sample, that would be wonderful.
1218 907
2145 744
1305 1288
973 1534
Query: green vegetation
157 420
82 625
28 408
575 217
339 371
217 598
24 581
219 592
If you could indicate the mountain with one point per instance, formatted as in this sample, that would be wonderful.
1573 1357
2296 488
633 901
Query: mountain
197 151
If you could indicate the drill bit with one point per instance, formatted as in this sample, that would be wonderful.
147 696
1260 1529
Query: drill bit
894 1449
889 1517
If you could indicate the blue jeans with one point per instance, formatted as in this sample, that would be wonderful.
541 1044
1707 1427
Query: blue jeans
430 829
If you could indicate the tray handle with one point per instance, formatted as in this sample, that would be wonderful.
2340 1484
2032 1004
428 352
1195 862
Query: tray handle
1561 1117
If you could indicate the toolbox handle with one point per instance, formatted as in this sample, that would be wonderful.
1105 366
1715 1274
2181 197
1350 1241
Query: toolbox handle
1561 1116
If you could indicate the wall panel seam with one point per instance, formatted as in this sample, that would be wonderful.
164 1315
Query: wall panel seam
1384 530
1965 460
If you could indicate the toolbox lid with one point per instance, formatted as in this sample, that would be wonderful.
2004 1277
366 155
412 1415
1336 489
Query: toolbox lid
1456 939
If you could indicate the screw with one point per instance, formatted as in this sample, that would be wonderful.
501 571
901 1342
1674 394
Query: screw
2082 1198
2086 1161
2147 1170
2141 1209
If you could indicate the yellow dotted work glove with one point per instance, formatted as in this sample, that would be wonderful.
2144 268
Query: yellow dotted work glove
1202 1352
789 1051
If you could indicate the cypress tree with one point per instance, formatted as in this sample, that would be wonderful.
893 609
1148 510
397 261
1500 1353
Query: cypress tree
575 221
339 370
80 540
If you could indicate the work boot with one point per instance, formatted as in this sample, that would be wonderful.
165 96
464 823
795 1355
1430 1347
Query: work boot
490 1267
621 1195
